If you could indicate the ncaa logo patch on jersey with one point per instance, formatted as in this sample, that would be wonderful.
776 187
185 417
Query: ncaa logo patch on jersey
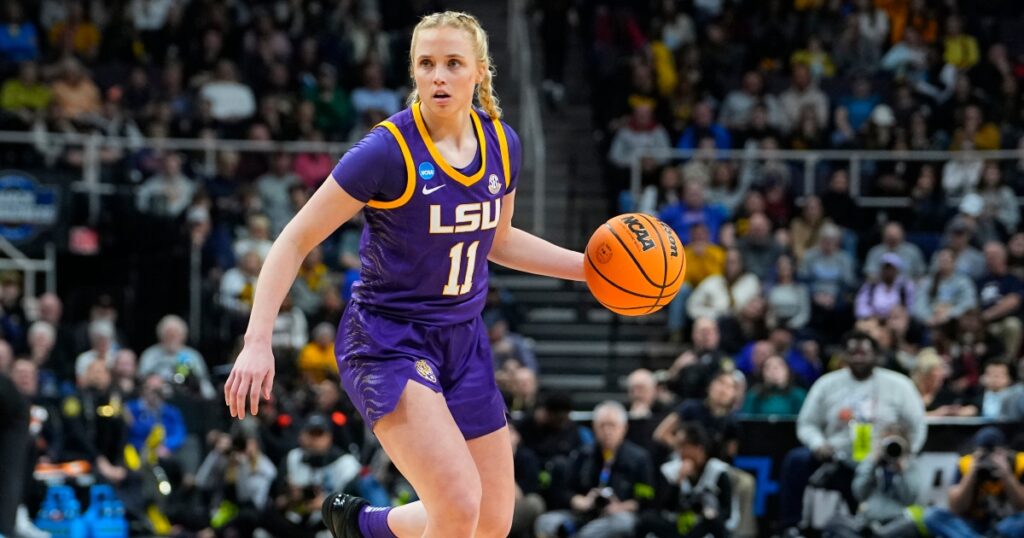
426 171
494 184
426 372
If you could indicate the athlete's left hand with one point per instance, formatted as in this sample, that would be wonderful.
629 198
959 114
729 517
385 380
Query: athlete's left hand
252 374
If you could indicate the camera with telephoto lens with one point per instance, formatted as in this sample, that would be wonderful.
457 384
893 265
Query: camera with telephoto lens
893 448
604 498
985 467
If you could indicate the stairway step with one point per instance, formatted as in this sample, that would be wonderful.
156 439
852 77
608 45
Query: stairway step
607 349
572 382
513 282
551 315
589 331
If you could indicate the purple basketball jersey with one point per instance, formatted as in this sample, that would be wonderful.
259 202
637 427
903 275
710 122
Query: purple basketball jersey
424 253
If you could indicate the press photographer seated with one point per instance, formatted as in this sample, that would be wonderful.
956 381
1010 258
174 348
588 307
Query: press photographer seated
989 494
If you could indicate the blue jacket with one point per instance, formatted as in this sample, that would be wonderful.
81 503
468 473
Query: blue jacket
145 420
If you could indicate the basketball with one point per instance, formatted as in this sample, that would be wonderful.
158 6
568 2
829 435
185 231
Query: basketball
635 264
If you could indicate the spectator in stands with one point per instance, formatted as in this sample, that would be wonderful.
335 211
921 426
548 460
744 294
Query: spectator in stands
75 96
172 360
757 247
552 435
316 360
692 209
609 482
1002 399
168 193
19 41
816 58
861 102
855 52
989 494
124 373
704 127
641 133
313 167
803 95
859 399
24 99
839 205
523 393
147 412
716 413
729 186
886 483
892 290
961 50
273 188
508 345
738 108
893 242
94 429
962 173
312 281
830 273
968 261
806 227
236 474
1000 202
775 392
231 101
908 58
704 259
999 297
238 285
529 504
945 294
103 350
692 370
930 374
372 95
257 238
699 497
642 391
789 301
291 331
721 295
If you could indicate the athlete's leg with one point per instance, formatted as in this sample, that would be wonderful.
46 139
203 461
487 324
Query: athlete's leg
493 456
423 441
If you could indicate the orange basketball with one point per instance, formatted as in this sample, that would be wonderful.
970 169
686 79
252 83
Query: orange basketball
635 264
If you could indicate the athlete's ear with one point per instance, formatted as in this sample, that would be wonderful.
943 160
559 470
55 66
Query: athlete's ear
481 70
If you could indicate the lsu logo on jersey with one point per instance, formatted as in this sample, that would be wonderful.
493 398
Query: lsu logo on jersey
426 171
640 232
470 217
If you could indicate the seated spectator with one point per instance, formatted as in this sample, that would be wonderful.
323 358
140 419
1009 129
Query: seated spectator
721 295
101 335
642 132
273 189
929 375
150 410
313 279
716 414
124 373
522 394
94 428
313 167
655 198
968 347
999 298
757 246
989 494
317 360
173 360
962 173
699 498
908 58
861 102
775 393
703 126
693 209
789 301
829 272
19 41
893 242
999 200
372 95
704 259
609 482
41 342
291 331
642 391
729 186
806 227
76 34
24 99
168 193
692 371
75 96
877 299
968 261
738 107
803 94
553 437
238 285
859 399
1002 399
508 345
816 59
236 473
257 238
944 295
231 101
961 50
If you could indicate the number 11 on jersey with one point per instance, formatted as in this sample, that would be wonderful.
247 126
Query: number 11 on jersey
453 287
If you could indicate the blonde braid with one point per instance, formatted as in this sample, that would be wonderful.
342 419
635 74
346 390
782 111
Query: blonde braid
485 93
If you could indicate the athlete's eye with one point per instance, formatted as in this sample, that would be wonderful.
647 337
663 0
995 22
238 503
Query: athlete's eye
454 63
425 63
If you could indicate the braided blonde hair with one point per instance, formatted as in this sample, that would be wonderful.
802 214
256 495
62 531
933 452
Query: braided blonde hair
463 21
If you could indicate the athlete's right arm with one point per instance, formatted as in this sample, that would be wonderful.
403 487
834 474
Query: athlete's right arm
253 372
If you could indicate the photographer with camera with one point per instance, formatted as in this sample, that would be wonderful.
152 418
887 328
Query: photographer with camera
238 477
989 494
609 481
698 502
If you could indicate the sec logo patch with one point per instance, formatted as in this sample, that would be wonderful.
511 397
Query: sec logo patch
426 372
426 171
493 184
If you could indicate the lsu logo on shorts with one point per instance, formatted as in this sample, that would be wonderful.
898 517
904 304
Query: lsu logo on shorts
425 371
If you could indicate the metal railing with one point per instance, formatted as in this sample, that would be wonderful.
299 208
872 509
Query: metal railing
853 161
531 124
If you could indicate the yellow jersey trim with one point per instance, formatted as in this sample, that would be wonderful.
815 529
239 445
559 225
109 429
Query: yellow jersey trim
410 172
506 166
439 159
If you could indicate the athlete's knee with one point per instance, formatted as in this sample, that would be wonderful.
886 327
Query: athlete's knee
495 523
461 506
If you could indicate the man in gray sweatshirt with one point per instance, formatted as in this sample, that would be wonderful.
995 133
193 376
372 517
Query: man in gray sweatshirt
843 417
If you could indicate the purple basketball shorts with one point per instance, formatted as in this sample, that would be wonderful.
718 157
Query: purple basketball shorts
377 357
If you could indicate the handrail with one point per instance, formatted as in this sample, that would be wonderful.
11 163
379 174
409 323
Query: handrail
811 158
531 124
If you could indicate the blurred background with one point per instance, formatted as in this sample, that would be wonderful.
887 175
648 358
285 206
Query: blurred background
830 166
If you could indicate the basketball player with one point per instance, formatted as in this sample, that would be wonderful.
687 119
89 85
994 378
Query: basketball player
437 181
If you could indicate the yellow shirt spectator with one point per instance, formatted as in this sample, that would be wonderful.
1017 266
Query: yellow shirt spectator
317 362
703 262
961 51
15 95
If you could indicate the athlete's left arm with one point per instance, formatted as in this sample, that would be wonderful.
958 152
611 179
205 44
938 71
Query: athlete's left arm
523 251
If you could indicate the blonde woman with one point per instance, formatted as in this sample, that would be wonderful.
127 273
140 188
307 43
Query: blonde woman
436 183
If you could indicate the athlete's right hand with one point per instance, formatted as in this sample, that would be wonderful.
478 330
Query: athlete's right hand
252 376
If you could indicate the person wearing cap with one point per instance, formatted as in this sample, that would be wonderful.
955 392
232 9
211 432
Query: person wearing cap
988 498
945 294
317 464
843 418
967 259
999 296
892 290
894 242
